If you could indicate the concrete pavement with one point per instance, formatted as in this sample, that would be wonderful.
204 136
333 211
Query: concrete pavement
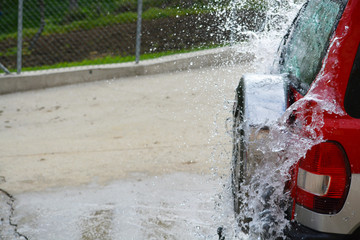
115 134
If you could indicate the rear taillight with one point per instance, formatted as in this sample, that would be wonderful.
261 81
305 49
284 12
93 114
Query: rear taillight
323 178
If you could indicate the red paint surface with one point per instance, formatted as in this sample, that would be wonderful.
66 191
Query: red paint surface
331 82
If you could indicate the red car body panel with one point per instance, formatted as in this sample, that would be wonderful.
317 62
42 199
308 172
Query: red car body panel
331 83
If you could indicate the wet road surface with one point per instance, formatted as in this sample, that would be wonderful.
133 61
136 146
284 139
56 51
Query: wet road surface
135 158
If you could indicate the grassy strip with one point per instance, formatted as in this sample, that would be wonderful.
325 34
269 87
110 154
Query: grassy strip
127 17
114 59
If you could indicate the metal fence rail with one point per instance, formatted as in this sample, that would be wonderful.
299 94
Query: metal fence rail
63 31
56 32
66 31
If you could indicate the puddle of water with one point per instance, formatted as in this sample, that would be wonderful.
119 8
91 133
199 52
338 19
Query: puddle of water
97 225
176 206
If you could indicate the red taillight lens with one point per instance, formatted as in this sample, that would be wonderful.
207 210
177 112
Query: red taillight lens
323 178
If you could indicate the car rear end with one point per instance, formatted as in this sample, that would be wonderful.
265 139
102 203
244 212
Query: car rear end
326 181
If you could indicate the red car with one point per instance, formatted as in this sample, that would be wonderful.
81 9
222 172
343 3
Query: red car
314 97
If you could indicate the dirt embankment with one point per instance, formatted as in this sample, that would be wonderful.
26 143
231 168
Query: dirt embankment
158 35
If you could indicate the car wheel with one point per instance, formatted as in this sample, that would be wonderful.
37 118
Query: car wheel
258 103
239 157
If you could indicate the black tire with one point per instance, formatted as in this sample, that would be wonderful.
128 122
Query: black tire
238 155
238 177
238 152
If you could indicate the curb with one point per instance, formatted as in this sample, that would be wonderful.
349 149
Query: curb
59 77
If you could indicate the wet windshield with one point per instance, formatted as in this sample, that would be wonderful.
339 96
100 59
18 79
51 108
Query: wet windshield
308 41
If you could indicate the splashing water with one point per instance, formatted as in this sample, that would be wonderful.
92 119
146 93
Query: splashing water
263 214
266 199
255 27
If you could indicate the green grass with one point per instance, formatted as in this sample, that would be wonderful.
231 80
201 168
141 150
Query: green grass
88 19
127 17
58 12
115 59
59 18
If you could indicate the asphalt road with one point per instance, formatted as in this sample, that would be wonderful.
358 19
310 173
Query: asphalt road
135 158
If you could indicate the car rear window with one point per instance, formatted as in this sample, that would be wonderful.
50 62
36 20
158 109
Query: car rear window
306 45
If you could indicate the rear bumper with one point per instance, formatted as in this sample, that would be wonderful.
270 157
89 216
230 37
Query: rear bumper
347 221
300 232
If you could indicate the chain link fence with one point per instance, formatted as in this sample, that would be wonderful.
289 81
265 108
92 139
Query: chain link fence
57 33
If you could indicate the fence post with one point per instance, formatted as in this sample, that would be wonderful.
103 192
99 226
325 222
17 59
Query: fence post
232 23
19 38
2 67
138 31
